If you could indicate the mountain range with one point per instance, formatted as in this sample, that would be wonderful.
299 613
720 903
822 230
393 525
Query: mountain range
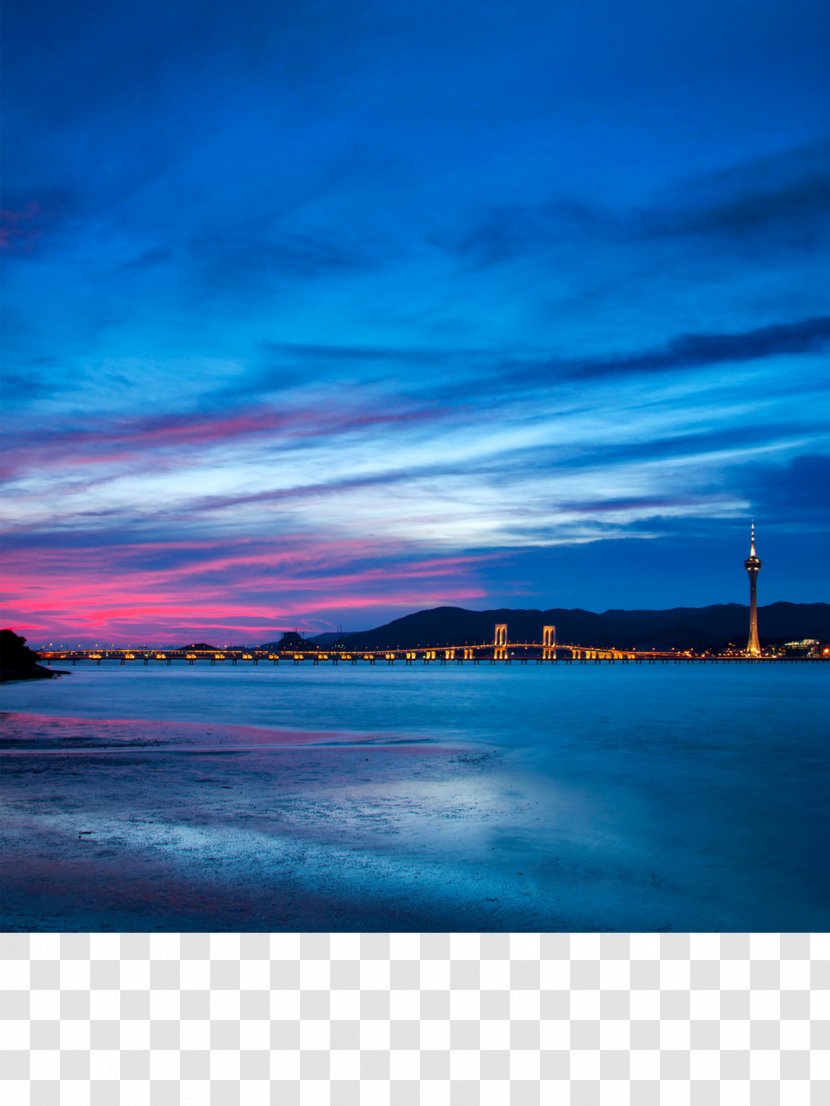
698 628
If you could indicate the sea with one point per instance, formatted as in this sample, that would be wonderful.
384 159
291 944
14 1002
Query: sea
431 797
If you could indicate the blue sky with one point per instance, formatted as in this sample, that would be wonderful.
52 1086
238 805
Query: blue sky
321 312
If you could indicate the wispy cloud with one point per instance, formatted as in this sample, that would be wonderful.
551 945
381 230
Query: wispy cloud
779 200
792 491
776 201
245 256
688 351
245 588
146 438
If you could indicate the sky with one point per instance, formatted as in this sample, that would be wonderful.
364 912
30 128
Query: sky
317 313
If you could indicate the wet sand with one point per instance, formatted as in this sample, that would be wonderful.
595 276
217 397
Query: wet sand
119 825
488 800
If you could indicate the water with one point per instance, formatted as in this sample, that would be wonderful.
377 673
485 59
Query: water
480 798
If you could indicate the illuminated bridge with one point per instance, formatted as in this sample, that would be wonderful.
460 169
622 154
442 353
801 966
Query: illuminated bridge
497 651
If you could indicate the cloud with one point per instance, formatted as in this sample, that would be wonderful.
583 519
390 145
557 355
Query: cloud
300 492
517 375
794 492
693 446
643 508
250 254
247 589
700 350
169 441
781 201
509 231
121 440
796 213
25 384
287 365
346 354
478 380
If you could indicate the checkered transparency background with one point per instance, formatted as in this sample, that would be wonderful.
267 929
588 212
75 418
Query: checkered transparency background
401 1019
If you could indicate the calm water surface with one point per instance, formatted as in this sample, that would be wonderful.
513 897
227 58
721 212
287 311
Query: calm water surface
575 797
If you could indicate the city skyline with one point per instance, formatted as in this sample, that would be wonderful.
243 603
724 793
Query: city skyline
318 315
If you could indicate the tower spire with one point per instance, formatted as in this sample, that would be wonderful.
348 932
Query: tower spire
752 552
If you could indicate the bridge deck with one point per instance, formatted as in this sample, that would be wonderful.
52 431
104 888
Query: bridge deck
521 652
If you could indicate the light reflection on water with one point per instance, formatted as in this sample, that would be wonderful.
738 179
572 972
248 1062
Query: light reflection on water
445 797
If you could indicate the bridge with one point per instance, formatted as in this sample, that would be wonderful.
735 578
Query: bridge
497 651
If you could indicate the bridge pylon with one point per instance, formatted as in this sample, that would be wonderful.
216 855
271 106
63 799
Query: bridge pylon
548 643
500 642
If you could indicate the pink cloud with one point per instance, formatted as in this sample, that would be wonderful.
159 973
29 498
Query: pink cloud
159 591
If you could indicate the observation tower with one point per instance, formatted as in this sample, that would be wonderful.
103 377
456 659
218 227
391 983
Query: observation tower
753 566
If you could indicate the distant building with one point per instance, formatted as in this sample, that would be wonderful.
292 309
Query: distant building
807 647
291 641
753 566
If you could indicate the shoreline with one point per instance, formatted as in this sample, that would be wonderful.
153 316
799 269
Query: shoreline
38 672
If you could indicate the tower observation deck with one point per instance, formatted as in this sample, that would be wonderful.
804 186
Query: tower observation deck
753 566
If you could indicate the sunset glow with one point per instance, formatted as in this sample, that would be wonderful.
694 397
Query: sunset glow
297 337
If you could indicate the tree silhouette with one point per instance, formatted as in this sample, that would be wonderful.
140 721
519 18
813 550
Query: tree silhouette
15 655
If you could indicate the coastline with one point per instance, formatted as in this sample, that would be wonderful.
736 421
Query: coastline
37 672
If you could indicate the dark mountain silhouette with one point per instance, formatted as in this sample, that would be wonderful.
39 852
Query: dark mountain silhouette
327 638
680 628
198 645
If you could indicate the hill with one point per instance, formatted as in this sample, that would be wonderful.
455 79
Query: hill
681 627
18 661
